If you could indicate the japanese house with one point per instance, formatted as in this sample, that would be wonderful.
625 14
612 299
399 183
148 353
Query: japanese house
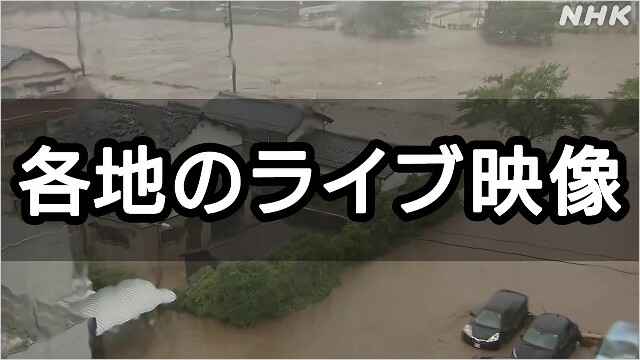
228 119
36 92
27 74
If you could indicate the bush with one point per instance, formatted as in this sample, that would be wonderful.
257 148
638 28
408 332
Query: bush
381 19
104 276
308 246
519 22
246 292
304 271
241 293
322 24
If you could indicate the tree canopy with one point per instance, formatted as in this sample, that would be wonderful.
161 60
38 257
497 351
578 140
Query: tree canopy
527 102
508 22
384 18
624 115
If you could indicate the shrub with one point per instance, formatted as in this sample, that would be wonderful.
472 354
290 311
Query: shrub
308 246
302 272
382 19
519 22
246 292
241 293
103 276
322 24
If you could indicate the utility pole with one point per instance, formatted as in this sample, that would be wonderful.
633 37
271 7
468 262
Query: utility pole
233 62
479 15
80 50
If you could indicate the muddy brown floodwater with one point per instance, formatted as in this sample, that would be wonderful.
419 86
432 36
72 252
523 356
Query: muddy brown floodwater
152 58
401 309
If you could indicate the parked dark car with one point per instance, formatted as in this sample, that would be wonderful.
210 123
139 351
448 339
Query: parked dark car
502 317
550 336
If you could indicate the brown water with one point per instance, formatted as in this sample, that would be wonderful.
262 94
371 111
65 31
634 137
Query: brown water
401 309
437 63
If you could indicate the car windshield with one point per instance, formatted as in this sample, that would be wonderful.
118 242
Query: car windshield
539 339
488 318
616 349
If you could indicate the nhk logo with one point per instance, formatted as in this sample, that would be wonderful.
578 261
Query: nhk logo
616 15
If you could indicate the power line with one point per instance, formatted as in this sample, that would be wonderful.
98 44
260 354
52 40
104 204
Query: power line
526 255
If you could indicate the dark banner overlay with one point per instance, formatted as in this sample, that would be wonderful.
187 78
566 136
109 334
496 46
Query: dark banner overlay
335 180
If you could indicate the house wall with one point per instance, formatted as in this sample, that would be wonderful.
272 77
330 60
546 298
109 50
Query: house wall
45 280
35 68
71 344
208 132
163 266
395 180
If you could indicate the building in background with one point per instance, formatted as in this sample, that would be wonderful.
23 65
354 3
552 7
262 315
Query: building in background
27 74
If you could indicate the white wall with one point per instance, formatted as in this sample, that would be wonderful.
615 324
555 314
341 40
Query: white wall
35 68
207 132
71 344
45 280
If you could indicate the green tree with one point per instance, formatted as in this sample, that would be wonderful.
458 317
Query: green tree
526 102
624 115
519 22
240 293
384 19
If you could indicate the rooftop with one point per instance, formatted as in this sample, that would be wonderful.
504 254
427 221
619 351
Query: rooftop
252 113
12 53
337 150
504 299
550 322
123 121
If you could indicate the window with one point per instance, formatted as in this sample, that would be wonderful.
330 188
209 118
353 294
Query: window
489 319
43 88
54 88
30 92
110 235
8 92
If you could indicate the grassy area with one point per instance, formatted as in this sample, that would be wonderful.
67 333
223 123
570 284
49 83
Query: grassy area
304 271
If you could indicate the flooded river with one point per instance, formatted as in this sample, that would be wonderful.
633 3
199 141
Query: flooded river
152 58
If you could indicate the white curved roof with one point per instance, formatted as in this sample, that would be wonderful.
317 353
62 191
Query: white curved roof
113 306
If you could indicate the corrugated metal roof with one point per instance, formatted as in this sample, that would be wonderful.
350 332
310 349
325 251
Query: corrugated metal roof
253 113
113 306
11 54
336 151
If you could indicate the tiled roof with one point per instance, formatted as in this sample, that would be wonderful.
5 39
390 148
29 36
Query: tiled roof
11 54
123 121
335 150
253 113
